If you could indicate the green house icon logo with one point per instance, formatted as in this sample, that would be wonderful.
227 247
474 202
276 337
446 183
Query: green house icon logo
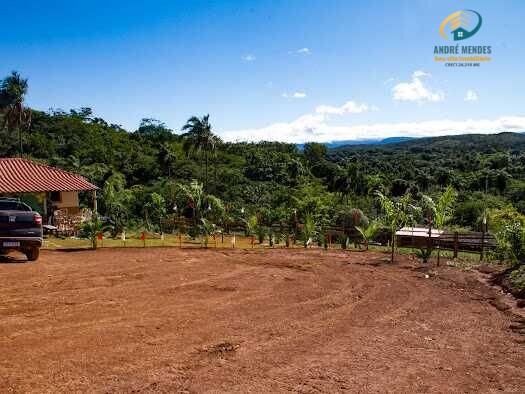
460 23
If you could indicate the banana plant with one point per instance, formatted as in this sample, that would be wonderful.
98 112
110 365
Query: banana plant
92 229
397 214
368 233
207 229
309 230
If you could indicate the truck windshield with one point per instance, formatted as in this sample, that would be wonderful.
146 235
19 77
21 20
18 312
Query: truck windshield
13 206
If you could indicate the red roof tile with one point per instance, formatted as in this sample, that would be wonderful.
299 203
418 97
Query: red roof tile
24 176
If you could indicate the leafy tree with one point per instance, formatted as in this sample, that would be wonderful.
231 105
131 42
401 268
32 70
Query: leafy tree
200 203
116 201
397 214
315 152
250 225
155 209
154 131
261 231
350 218
168 156
499 218
511 241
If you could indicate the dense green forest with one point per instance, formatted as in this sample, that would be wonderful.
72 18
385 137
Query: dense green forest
488 171
154 173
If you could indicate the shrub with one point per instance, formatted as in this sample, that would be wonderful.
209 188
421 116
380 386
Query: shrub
368 233
261 233
511 241
91 229
498 218
424 254
309 230
207 229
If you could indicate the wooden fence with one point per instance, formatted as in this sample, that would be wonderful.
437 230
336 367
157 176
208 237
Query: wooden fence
456 241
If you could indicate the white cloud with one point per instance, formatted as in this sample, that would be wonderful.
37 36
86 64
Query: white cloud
350 107
248 58
314 127
303 51
471 95
420 74
304 128
389 80
416 91
296 95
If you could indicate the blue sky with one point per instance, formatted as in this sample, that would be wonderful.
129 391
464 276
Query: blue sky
292 70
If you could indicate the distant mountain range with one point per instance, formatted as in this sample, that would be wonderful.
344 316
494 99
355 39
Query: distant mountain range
390 140
371 141
386 141
447 145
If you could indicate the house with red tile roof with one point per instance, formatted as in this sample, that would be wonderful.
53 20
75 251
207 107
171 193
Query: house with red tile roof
53 188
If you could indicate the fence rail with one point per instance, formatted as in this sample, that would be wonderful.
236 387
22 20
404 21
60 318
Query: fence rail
456 241
477 242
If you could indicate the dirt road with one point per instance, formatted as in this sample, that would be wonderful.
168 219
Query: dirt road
166 320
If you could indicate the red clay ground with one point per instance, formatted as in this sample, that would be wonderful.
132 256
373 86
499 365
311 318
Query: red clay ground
166 320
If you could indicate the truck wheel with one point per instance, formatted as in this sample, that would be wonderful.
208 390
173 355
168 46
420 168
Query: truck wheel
32 254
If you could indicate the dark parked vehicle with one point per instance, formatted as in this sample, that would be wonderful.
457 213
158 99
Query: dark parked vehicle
20 228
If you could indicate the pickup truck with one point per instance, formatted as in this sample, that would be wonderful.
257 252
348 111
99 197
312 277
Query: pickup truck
20 228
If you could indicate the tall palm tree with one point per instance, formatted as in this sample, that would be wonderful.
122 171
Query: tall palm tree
200 139
12 94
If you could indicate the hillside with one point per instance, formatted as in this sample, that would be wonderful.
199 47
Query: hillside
274 178
478 142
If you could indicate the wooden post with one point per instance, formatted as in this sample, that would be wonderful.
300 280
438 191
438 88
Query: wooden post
295 226
393 239
483 231
429 241
44 208
456 244
100 238
482 253
95 205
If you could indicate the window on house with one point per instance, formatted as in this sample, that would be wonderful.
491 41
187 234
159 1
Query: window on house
460 34
55 197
